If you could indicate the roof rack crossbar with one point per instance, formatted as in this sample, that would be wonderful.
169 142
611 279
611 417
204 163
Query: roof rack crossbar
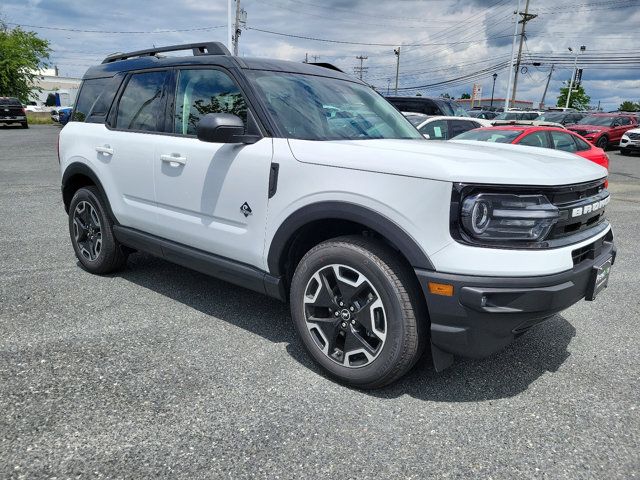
208 48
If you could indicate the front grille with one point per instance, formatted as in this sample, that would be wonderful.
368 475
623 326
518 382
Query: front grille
582 198
634 136
591 251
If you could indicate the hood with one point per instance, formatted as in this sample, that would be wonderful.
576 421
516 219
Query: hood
452 161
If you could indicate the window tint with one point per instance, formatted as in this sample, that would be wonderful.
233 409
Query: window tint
490 135
95 98
437 130
425 105
205 91
536 139
461 126
624 121
140 106
563 141
10 101
582 145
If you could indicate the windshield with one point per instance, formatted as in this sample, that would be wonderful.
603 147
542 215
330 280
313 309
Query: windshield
310 107
596 120
10 101
490 135
455 109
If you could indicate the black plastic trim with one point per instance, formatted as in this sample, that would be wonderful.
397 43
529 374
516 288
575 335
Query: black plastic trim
214 265
78 168
344 211
273 179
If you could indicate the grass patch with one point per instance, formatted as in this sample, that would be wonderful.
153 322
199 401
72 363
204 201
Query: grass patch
39 118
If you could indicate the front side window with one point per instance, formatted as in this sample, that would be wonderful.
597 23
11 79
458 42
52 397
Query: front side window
536 139
140 106
582 145
563 141
202 91
310 107
601 121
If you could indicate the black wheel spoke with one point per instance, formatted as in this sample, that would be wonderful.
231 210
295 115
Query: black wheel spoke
354 341
330 329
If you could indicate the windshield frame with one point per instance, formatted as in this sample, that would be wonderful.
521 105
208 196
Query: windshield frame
278 129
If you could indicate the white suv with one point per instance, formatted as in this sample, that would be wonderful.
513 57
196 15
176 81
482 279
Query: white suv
304 184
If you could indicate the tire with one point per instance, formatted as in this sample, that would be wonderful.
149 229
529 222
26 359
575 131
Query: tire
24 125
625 152
380 338
603 142
91 232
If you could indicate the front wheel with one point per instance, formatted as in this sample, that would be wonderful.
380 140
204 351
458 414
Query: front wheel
625 152
356 305
24 125
603 142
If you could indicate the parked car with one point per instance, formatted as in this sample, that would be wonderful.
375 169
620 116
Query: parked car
12 112
445 128
429 106
630 142
563 118
543 137
483 114
415 118
381 242
519 115
61 115
604 129
32 106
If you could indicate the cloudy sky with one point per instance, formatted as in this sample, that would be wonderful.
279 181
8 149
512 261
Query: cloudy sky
446 44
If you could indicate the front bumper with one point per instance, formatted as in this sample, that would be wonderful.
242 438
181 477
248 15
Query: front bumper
485 314
630 145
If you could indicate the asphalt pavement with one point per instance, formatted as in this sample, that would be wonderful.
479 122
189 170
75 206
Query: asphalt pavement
160 371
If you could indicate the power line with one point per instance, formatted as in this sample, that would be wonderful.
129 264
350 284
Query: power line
77 30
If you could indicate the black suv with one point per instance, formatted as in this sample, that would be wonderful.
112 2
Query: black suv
428 106
11 111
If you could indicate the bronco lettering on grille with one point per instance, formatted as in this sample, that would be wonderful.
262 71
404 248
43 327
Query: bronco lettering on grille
592 207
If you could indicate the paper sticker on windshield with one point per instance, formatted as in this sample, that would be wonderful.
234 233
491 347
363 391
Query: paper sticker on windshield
437 131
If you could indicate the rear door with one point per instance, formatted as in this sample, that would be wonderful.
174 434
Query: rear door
211 196
129 147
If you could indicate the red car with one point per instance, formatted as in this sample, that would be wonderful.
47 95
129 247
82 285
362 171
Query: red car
604 129
544 137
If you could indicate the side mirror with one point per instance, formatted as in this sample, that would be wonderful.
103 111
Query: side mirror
427 136
221 128
615 124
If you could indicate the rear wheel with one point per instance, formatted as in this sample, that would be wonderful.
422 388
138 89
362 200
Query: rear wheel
603 142
91 233
357 309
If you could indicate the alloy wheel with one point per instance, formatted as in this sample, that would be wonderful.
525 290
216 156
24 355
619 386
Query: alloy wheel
345 315
87 230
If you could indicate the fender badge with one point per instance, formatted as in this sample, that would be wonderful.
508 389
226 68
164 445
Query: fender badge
246 209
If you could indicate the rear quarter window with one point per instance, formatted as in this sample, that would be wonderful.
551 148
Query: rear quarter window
95 98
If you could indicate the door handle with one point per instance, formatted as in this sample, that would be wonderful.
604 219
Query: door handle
174 159
104 149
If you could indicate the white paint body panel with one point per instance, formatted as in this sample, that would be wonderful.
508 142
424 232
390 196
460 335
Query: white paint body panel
407 181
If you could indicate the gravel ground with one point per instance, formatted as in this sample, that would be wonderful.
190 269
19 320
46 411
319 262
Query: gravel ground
161 371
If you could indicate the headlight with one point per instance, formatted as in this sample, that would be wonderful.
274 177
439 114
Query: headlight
497 216
592 131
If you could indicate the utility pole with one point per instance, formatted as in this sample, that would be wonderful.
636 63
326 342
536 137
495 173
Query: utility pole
574 74
526 16
241 20
361 68
507 97
396 51
315 58
306 58
546 86
229 25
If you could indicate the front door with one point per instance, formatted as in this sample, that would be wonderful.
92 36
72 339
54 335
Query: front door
211 196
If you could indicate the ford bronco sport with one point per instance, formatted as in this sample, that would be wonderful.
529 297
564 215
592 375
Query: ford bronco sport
302 183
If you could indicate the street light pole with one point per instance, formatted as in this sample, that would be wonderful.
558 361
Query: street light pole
495 75
573 75
397 54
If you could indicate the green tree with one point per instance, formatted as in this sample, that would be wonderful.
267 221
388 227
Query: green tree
22 55
629 106
465 95
445 95
579 98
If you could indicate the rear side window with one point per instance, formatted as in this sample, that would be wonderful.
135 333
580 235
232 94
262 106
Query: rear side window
203 91
437 130
461 126
95 98
563 141
140 106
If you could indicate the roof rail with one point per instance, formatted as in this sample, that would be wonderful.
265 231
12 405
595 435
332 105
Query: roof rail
208 48
330 66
